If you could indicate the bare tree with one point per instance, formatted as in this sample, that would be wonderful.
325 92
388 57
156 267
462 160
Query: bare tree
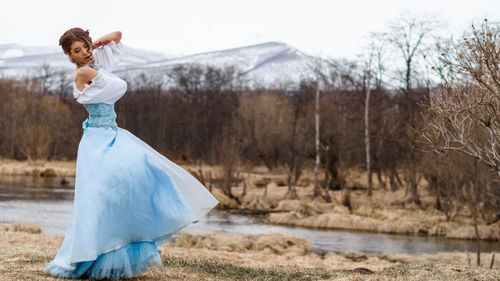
44 75
372 68
63 85
297 138
316 127
367 76
464 113
408 34
227 153
465 110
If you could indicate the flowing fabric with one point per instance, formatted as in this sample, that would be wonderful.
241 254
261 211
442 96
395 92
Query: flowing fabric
125 262
129 198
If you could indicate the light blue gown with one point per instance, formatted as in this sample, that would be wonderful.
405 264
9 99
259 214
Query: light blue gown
128 197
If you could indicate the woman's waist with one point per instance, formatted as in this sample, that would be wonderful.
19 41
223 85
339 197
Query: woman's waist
100 121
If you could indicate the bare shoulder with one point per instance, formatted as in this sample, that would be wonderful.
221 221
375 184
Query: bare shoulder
83 76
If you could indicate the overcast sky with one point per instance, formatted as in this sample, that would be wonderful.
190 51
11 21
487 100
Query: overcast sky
327 28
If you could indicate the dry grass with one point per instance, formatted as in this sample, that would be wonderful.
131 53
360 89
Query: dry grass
37 167
207 257
31 227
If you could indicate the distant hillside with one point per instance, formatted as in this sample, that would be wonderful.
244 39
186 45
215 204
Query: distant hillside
266 64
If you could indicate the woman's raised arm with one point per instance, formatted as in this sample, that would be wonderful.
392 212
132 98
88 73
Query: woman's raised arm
103 40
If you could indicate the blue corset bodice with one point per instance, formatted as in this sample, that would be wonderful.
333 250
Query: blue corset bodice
100 115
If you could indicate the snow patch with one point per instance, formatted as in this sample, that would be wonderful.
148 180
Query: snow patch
12 53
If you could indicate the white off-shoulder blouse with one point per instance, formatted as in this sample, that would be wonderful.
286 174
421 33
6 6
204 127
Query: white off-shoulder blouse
106 87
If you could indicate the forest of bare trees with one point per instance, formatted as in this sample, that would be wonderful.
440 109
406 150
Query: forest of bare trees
385 102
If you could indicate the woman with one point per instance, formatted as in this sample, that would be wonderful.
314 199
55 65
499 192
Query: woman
128 197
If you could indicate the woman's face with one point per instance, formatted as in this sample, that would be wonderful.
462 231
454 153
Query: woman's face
81 52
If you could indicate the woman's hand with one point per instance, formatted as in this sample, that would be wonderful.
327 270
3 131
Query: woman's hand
100 43
103 40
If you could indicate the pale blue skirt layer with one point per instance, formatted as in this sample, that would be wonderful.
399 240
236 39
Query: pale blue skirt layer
125 262
128 200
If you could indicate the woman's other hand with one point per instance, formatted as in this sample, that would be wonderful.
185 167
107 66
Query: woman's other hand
100 43
103 40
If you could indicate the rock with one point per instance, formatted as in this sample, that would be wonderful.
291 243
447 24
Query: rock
49 172
354 256
341 209
310 208
288 205
438 230
363 270
258 204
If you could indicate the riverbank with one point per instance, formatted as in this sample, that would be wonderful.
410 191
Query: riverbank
24 251
386 211
41 168
390 212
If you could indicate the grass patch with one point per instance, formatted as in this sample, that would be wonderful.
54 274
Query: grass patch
31 227
218 270
29 266
438 271
236 272
370 213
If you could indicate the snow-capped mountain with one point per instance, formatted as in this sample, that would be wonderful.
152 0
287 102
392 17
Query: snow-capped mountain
266 64
17 60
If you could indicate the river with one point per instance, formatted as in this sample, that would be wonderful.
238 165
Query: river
48 202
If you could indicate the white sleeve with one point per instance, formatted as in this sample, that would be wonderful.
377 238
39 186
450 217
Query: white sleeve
107 55
105 88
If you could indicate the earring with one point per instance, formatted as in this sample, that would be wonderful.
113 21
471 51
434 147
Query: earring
71 60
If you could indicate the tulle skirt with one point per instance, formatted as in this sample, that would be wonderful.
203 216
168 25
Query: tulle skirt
128 200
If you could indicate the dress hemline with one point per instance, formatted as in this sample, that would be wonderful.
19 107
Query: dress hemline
57 270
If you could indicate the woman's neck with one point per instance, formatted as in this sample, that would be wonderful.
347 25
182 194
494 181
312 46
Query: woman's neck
79 65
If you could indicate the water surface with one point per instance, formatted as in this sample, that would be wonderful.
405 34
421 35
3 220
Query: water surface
49 203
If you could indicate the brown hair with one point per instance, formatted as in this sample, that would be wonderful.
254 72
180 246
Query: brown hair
72 35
